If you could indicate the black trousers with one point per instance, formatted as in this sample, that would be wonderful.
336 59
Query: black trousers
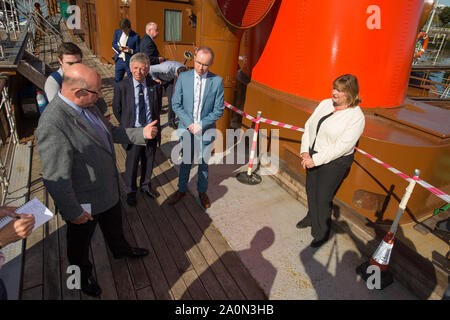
3 293
146 156
168 88
322 183
79 237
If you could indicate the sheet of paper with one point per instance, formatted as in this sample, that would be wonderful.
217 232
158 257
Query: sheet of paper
41 213
86 207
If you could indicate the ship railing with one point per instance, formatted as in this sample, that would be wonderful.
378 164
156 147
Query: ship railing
429 86
37 21
7 158
9 20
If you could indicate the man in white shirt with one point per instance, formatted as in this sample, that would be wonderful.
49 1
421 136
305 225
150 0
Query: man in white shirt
198 103
126 42
166 73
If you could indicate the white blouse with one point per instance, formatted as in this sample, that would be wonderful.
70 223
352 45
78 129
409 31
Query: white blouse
337 135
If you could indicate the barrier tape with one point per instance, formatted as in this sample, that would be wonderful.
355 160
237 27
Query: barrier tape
424 184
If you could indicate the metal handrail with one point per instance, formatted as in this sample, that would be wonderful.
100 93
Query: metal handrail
7 163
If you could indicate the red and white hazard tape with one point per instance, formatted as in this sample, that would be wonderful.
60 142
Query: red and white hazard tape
424 184
281 124
242 113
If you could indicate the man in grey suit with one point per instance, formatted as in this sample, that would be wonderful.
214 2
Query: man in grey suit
75 144
198 103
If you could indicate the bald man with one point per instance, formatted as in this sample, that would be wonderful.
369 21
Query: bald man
75 143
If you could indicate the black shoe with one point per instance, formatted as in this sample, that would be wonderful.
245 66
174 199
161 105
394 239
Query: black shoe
318 243
90 287
133 253
131 199
151 193
304 223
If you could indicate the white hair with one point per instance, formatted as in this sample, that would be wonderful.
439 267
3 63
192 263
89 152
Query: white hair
149 25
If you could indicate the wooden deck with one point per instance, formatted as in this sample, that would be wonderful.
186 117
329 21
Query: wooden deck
189 258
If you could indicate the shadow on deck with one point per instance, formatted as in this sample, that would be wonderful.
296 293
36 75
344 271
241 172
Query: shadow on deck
189 258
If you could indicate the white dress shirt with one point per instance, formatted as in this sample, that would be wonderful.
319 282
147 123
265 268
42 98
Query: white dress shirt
337 135
166 70
199 90
123 43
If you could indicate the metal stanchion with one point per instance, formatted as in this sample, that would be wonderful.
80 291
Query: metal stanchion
382 255
250 177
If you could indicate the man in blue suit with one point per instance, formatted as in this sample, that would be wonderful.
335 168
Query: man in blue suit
198 103
125 44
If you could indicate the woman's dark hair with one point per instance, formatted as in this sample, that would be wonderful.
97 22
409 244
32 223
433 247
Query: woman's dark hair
349 85
124 24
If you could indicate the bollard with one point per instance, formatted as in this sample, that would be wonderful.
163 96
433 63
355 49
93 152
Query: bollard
250 177
382 255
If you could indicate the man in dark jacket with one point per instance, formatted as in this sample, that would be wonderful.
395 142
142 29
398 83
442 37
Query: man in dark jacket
148 45
125 44
137 102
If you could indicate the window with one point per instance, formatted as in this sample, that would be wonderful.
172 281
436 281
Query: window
172 25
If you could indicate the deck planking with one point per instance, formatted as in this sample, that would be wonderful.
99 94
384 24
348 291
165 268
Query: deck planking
188 257
187 260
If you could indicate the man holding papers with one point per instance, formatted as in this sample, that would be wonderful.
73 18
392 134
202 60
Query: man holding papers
125 44
75 144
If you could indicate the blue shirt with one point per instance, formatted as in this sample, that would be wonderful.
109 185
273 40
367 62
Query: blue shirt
137 124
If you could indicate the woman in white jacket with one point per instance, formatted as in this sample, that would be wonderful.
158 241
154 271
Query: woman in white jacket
331 134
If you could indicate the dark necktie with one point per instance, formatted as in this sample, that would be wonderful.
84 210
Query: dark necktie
100 131
142 113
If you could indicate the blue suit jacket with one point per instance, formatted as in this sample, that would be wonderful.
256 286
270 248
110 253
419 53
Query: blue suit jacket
132 43
212 103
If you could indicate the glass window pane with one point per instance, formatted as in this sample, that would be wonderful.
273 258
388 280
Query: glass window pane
172 25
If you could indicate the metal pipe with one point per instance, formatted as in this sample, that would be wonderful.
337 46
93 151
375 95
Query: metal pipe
404 201
432 16
440 47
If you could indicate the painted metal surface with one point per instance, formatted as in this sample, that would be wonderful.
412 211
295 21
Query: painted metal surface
314 42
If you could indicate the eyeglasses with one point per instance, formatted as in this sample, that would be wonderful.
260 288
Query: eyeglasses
91 91
202 64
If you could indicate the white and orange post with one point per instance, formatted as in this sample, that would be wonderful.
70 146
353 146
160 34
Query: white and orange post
250 177
382 255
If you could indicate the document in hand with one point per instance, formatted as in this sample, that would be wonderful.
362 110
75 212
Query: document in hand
41 213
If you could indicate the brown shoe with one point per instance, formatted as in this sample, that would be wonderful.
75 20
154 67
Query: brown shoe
204 200
176 197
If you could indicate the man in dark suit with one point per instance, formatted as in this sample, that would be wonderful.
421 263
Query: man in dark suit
148 45
75 144
137 102
125 44
198 103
